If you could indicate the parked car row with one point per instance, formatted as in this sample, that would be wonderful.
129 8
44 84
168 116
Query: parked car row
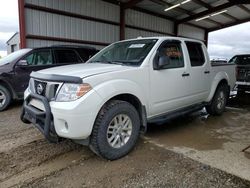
15 68
219 61
108 100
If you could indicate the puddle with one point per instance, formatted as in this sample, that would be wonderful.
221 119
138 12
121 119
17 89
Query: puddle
187 132
203 132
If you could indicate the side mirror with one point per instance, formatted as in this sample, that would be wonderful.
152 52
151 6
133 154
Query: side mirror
162 62
22 63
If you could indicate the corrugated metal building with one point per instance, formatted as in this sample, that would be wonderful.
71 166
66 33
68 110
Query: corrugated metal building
13 44
100 22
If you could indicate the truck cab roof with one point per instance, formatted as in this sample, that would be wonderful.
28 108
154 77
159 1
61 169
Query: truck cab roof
166 38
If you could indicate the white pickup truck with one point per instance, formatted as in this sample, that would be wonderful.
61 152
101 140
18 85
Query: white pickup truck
106 102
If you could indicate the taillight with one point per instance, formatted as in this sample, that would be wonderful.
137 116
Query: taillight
236 72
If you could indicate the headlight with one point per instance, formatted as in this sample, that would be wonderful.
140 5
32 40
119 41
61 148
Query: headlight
31 85
71 92
26 93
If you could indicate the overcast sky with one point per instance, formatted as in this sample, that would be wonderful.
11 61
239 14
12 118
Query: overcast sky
222 44
8 22
227 42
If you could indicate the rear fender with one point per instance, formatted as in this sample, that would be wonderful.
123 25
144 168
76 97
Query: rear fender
220 76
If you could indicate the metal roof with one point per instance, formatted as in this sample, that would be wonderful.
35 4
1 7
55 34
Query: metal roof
216 14
16 33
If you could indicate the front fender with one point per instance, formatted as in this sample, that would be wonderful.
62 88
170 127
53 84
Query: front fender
112 88
217 79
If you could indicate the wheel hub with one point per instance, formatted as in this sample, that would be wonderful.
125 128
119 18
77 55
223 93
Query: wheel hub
2 98
119 130
221 100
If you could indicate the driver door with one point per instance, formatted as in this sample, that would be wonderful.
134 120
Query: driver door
36 60
170 85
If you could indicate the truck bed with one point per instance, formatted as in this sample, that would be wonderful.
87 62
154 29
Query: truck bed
225 67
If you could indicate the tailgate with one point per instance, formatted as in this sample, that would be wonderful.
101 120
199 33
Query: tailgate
243 73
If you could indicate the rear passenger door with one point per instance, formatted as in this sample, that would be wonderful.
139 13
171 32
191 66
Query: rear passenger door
199 72
66 57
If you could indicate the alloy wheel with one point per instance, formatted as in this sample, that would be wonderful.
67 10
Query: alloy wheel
119 131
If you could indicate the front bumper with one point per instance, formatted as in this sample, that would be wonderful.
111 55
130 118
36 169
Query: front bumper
43 120
245 86
73 120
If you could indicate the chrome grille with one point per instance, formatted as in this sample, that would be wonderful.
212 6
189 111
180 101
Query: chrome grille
40 87
49 90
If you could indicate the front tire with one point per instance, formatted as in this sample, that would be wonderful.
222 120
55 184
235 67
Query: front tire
116 130
219 101
5 98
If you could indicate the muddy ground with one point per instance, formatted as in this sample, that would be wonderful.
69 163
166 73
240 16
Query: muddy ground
28 160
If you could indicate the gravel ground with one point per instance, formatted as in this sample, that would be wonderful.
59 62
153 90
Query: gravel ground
28 160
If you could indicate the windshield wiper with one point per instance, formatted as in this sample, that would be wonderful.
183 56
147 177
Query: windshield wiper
108 62
119 62
129 62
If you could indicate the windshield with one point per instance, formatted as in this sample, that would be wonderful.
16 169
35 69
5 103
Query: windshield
241 60
125 53
11 57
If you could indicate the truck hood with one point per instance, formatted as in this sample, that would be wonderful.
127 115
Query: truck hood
84 70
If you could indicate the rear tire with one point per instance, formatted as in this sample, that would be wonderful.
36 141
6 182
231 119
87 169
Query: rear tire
5 98
219 101
116 130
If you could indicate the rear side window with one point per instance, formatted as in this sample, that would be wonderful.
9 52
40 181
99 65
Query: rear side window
196 54
66 57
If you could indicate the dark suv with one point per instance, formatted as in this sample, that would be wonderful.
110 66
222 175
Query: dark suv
16 67
242 72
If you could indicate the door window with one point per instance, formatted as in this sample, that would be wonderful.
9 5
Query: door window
196 54
30 59
39 58
67 57
174 52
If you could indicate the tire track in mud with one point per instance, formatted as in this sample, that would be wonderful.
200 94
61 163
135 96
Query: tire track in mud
15 130
33 162
14 140
25 157
147 166
52 165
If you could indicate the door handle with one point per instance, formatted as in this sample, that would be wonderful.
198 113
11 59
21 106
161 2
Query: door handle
185 74
207 72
